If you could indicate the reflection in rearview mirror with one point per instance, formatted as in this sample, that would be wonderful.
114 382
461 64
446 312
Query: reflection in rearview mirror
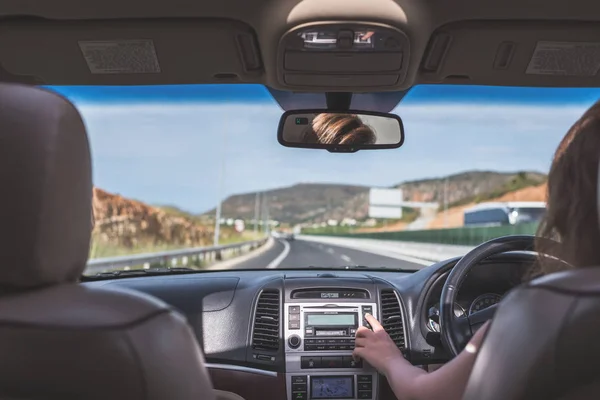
340 131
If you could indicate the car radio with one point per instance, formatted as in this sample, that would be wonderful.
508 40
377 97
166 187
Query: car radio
318 351
324 327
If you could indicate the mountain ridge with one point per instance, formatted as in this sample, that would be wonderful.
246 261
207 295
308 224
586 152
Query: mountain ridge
319 202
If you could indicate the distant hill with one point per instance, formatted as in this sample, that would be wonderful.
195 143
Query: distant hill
470 186
293 204
318 202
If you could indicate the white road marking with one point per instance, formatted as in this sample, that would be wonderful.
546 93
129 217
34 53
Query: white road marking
366 247
346 258
330 250
233 262
286 250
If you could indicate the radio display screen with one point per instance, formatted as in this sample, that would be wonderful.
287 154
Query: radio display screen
346 319
332 387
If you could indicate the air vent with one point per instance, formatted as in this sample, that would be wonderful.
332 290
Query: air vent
391 317
266 321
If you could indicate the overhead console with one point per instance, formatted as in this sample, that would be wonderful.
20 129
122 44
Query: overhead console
337 56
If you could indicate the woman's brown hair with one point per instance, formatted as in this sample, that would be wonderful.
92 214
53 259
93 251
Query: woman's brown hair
572 214
348 129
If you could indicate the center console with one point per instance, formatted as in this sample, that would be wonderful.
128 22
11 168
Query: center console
320 327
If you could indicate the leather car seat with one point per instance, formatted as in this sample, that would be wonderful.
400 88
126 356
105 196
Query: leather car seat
58 339
543 342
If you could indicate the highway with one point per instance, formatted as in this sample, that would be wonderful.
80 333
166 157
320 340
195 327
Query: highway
304 253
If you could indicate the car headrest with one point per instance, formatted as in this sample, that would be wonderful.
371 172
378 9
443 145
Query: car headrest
46 184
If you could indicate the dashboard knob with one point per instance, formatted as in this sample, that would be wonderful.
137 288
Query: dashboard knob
294 341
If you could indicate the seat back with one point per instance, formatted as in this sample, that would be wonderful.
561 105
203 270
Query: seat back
59 339
543 342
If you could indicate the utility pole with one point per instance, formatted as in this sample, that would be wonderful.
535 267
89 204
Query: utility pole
220 187
268 226
256 212
446 203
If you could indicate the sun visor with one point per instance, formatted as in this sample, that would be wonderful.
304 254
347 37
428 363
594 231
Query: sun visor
514 53
127 52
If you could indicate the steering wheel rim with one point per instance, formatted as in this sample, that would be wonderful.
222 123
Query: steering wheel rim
456 331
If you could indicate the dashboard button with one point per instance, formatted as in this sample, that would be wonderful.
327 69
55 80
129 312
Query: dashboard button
294 325
309 341
294 317
310 347
350 362
365 394
303 396
310 362
299 379
299 387
294 309
331 362
365 386
365 378
294 341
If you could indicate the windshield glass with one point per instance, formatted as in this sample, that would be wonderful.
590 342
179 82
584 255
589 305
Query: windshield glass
193 167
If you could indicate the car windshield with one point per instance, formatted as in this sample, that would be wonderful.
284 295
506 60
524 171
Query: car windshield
193 176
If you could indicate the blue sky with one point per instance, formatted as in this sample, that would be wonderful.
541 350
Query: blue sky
167 144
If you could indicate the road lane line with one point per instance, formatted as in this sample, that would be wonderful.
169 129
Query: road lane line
346 258
286 250
366 248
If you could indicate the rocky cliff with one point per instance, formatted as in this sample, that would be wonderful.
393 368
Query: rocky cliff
123 225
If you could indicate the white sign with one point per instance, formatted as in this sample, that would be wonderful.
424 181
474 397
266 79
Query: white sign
385 203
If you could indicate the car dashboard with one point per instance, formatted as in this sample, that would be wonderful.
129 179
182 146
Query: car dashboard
289 334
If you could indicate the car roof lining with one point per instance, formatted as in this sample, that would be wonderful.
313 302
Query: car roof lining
200 42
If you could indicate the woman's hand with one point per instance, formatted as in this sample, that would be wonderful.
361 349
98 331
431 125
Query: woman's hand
376 347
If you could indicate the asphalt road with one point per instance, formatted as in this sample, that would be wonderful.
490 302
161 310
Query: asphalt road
303 254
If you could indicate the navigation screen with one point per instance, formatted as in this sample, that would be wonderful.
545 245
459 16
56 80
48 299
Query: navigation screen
348 319
332 387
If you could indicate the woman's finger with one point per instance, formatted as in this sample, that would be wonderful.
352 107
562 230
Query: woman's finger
357 353
374 323
360 342
363 331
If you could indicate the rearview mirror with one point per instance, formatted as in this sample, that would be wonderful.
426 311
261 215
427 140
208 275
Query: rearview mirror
346 131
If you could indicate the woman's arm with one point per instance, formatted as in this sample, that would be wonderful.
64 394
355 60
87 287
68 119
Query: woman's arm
407 381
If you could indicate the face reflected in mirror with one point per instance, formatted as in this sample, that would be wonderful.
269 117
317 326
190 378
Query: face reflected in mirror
327 129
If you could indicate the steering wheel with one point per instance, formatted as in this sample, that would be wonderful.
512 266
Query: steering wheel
456 331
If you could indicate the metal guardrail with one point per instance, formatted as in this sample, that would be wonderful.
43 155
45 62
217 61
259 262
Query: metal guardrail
195 255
